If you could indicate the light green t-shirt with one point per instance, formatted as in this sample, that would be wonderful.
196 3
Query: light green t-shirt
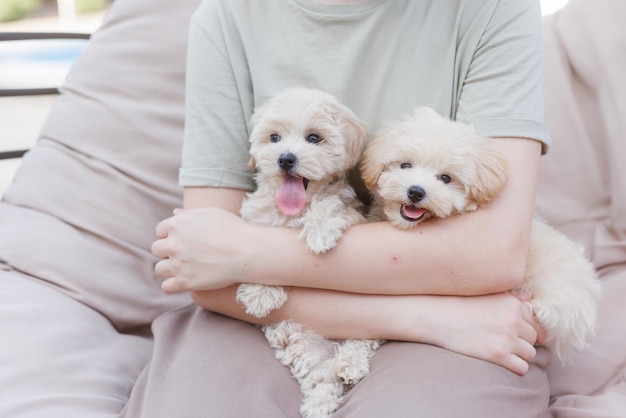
479 61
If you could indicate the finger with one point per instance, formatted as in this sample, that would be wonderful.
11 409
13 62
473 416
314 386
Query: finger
516 364
518 358
172 285
163 268
542 335
531 318
526 351
519 361
538 330
167 285
528 328
159 249
528 333
178 211
163 228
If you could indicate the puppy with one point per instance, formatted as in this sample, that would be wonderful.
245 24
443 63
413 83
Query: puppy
428 166
303 144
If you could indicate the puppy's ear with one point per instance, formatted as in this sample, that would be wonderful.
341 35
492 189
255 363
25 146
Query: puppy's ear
259 113
372 164
257 117
353 130
491 175
354 133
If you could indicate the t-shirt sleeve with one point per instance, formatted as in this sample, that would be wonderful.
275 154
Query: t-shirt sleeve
502 94
215 148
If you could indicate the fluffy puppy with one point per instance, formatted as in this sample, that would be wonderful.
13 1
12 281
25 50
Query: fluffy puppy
303 144
428 166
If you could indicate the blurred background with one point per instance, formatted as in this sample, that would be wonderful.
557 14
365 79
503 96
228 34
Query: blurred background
45 63
37 64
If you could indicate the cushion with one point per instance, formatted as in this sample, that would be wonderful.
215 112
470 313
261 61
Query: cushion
59 357
76 225
582 188
82 210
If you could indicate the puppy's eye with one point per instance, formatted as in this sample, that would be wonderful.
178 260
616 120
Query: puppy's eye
445 178
406 165
313 138
275 138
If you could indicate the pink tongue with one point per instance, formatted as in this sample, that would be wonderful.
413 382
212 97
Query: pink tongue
413 212
291 197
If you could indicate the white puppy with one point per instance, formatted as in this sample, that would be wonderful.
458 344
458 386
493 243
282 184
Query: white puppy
428 166
303 144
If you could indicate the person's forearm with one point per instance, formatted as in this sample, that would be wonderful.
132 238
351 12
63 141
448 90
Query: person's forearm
378 259
344 315
497 328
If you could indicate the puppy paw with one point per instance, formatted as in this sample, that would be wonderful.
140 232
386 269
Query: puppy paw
351 373
320 239
323 392
313 407
352 360
280 334
260 300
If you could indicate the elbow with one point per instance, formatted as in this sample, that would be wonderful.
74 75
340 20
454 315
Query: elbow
199 298
510 269
208 300
511 275
498 271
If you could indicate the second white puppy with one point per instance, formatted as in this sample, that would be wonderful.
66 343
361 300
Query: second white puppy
303 144
428 166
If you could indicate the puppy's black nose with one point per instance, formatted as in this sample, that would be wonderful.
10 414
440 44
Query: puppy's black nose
287 161
416 193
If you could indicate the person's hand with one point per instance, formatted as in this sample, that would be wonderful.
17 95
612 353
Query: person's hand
498 328
201 249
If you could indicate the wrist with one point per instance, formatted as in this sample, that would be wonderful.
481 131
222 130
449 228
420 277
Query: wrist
223 301
416 321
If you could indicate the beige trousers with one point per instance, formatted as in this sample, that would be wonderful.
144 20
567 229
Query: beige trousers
208 365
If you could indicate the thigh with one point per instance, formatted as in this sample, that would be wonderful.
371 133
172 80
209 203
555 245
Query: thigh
208 365
408 380
60 358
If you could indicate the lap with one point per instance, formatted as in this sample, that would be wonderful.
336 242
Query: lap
409 380
206 364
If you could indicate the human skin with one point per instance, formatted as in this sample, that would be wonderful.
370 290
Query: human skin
446 283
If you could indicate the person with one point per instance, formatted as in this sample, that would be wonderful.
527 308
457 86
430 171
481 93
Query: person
461 343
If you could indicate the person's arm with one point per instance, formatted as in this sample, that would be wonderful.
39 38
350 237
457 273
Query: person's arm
498 328
478 253
196 244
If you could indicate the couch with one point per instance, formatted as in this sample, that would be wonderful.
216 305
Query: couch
77 222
